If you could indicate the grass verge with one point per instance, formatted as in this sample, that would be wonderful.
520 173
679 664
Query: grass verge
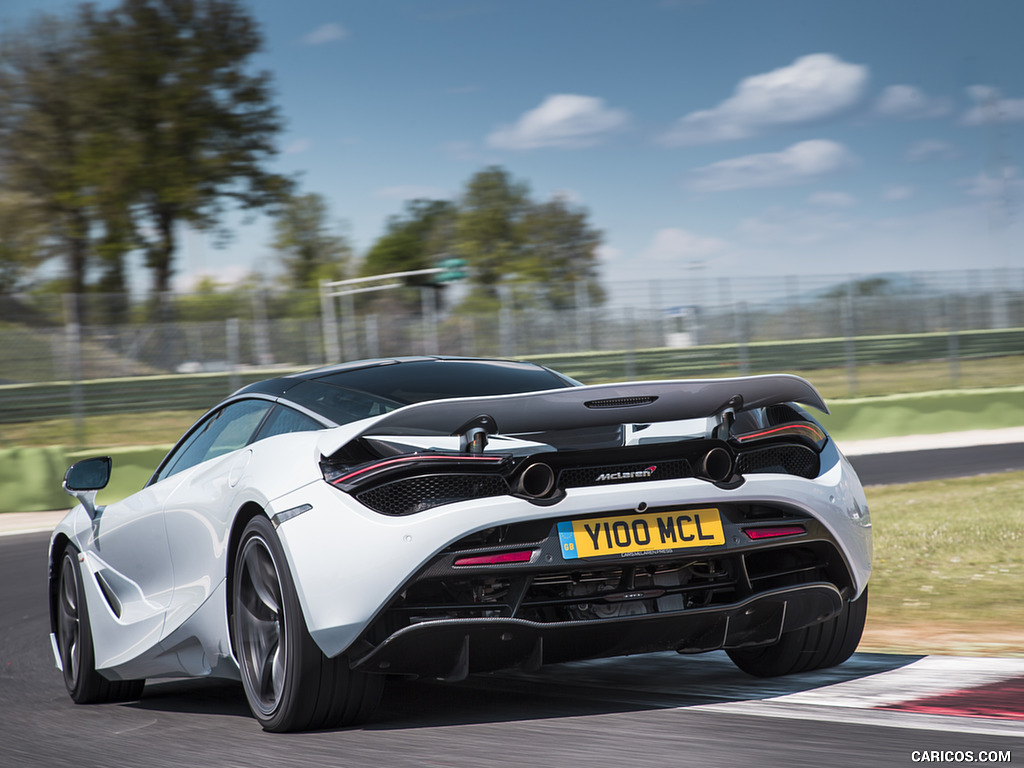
986 394
948 567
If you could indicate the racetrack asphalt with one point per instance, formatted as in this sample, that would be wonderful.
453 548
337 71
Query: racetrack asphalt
859 451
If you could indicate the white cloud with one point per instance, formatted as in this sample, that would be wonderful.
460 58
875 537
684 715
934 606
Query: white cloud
812 88
832 200
779 226
298 146
928 150
801 163
562 120
1004 185
905 102
411 192
991 107
896 192
675 244
325 33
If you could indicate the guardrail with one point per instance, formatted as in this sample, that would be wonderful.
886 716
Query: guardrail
197 391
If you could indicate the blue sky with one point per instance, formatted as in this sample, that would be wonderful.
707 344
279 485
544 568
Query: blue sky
747 137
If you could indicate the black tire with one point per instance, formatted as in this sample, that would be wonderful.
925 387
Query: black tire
816 647
289 683
74 642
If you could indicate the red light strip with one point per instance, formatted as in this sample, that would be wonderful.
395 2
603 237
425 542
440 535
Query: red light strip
404 459
496 559
774 533
788 428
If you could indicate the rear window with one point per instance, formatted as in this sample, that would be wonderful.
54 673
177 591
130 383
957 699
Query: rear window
419 380
346 396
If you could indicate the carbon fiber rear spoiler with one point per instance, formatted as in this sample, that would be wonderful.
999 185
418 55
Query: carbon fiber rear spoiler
599 405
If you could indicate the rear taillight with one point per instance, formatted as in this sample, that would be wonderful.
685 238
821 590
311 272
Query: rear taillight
345 477
497 558
774 532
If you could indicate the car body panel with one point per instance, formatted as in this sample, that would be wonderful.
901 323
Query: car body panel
157 565
353 567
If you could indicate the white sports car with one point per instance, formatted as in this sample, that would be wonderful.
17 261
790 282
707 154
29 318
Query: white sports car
434 516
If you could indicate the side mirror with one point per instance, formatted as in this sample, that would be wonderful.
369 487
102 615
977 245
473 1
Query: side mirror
84 478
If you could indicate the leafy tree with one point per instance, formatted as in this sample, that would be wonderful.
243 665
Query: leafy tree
45 118
488 229
186 123
542 251
868 286
22 241
121 124
560 251
210 301
509 240
305 244
413 241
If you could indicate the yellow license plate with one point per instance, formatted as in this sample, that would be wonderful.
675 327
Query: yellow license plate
651 532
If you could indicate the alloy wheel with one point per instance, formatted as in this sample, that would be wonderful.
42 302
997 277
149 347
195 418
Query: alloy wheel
262 639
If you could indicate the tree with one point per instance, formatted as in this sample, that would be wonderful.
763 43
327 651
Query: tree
309 251
542 251
413 241
488 229
122 124
509 240
560 252
45 118
22 241
190 127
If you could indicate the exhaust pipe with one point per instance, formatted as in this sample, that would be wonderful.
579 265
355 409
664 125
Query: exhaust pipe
717 465
536 481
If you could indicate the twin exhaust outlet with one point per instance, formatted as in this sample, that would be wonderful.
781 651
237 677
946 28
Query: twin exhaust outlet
537 481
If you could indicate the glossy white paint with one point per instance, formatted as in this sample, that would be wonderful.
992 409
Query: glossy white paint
348 561
164 554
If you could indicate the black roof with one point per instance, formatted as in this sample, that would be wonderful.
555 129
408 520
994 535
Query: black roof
435 376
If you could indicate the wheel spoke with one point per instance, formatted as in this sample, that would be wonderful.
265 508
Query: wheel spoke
270 674
68 625
277 674
261 626
263 576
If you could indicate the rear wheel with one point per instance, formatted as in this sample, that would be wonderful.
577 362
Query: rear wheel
74 643
289 683
816 647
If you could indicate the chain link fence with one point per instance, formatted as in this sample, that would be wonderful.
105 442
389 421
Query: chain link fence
80 355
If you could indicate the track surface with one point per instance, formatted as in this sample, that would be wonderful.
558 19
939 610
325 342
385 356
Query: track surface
653 710
915 466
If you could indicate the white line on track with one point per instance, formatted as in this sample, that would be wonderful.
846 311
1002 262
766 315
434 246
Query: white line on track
856 701
874 717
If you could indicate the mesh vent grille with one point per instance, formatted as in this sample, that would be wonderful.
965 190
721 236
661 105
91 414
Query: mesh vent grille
785 459
415 494
621 402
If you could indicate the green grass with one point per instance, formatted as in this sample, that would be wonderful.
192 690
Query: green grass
103 431
949 560
162 427
903 378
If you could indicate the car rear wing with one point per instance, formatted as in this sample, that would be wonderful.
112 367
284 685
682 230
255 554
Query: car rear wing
594 406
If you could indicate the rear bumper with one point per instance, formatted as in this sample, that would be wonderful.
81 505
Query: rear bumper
450 649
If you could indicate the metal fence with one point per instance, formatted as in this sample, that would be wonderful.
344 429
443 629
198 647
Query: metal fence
57 353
